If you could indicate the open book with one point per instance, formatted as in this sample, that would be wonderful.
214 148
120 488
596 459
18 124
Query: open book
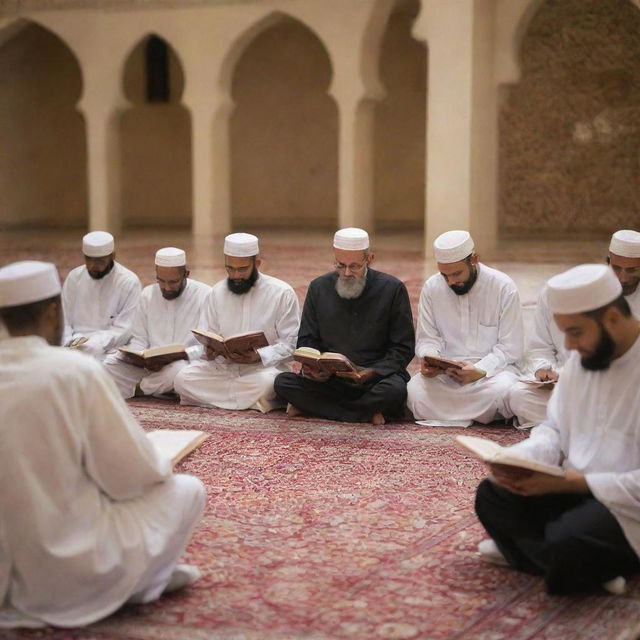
540 384
441 363
328 361
492 452
176 443
167 353
238 342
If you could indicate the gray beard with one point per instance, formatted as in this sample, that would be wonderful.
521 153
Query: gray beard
350 288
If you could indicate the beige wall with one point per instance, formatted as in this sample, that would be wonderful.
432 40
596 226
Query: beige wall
283 132
400 123
42 141
570 129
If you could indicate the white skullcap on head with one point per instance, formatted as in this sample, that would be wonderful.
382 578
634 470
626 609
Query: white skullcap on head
452 246
583 288
351 239
97 244
625 243
28 281
241 245
171 257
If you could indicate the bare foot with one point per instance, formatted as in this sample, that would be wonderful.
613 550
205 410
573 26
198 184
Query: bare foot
377 419
293 411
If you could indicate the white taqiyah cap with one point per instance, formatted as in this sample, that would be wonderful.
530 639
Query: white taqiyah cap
625 243
452 246
241 245
28 281
351 239
97 244
583 288
171 257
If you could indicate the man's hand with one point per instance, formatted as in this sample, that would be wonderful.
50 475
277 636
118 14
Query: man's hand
359 377
74 343
430 372
546 375
466 375
250 356
524 482
314 374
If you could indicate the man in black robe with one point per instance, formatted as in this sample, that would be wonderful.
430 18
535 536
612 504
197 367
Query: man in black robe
366 316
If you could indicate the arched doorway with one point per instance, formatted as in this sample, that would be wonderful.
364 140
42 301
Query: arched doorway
155 136
42 135
400 124
570 129
284 132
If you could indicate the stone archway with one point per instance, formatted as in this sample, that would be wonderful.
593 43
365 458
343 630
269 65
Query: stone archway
284 131
42 135
155 141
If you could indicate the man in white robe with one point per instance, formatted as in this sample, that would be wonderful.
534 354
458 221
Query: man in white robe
91 515
624 258
99 299
247 300
468 313
166 314
581 530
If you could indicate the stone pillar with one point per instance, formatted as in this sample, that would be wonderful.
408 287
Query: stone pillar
462 119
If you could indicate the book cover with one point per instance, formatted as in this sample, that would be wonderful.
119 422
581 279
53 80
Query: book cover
165 353
441 363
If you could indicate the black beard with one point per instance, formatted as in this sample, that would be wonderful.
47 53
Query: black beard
603 354
98 275
242 286
172 295
460 290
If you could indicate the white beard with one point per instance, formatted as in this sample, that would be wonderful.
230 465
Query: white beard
350 288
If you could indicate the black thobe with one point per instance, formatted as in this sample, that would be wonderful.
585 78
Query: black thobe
374 331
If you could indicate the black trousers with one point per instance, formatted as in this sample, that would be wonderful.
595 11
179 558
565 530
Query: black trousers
572 540
342 400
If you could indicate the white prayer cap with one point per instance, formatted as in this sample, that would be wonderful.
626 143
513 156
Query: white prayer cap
625 243
241 245
351 239
171 257
452 246
583 288
28 281
97 244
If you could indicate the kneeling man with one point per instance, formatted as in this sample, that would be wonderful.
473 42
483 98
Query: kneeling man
246 301
366 316
471 314
166 314
581 530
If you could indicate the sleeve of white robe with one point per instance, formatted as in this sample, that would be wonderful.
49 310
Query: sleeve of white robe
68 329
119 329
542 351
509 346
428 338
115 440
287 325
139 328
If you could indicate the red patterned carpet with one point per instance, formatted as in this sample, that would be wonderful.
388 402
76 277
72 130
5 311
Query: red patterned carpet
317 530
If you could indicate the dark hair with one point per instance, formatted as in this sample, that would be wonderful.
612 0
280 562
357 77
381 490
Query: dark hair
619 303
25 315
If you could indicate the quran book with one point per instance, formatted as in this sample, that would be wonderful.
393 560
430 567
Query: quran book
492 452
540 384
441 363
327 361
176 443
167 353
238 342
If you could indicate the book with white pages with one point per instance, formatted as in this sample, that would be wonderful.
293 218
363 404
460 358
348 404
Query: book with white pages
463 424
540 384
176 443
493 453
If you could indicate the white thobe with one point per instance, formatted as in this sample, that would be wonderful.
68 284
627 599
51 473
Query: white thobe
546 351
160 322
102 310
484 327
593 426
271 306
90 514
634 302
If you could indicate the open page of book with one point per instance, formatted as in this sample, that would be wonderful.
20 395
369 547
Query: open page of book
445 423
176 443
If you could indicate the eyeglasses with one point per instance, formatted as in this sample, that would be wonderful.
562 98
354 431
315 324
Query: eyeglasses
354 266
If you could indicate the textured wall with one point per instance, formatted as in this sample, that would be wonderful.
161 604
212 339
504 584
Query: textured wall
42 139
570 129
